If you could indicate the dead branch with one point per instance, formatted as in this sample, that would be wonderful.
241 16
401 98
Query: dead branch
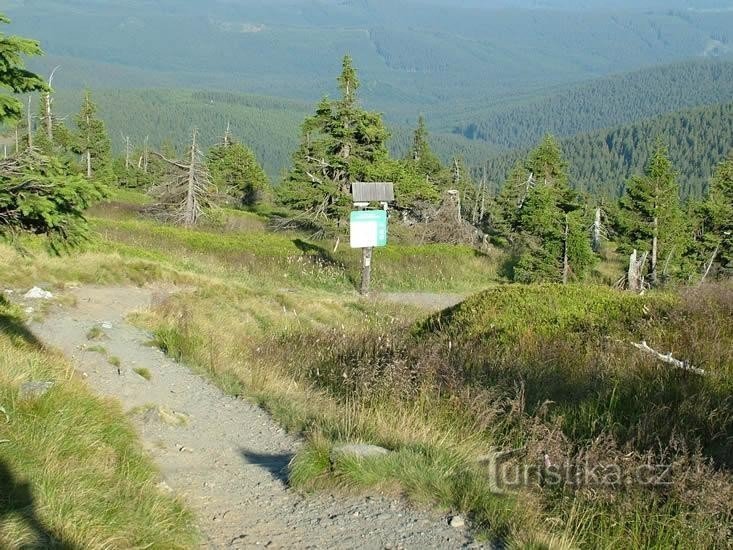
172 162
710 264
668 359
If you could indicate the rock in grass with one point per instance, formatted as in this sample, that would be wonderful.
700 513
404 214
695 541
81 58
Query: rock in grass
34 390
457 522
358 451
37 293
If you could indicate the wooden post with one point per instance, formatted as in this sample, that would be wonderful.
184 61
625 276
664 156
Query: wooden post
366 270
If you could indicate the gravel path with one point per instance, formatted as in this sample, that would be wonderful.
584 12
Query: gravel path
426 300
226 457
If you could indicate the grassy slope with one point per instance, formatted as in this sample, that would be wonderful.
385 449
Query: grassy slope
442 393
71 470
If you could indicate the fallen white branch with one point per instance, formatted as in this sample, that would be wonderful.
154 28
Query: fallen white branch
668 358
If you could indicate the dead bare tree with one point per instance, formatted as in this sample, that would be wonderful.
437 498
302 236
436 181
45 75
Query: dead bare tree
128 151
565 260
635 278
528 186
29 121
47 116
188 192
709 266
597 231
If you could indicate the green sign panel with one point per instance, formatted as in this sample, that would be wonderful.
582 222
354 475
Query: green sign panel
368 228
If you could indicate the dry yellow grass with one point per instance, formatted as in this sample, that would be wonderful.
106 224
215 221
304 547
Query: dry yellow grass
71 472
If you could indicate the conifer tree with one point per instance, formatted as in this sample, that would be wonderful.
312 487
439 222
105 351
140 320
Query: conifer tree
340 143
716 221
506 206
236 172
13 75
39 194
651 217
91 140
421 156
552 241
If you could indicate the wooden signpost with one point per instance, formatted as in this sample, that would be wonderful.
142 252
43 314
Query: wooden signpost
368 227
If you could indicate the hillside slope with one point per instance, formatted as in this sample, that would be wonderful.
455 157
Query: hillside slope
603 103
602 161
411 59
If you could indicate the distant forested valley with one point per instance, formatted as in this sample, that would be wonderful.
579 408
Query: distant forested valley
490 78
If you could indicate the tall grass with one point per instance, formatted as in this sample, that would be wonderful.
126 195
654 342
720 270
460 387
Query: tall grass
72 474
548 370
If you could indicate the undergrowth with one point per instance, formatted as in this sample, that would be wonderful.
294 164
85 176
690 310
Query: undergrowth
547 371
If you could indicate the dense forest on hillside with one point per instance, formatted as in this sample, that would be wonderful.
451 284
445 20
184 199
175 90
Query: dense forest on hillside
268 125
436 58
605 103
601 162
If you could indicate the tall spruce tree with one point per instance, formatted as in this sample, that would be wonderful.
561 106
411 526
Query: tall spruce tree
91 140
651 217
552 242
716 222
236 172
421 156
340 144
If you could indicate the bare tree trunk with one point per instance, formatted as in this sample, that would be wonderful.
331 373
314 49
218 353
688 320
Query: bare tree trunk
655 250
565 262
48 116
666 262
632 276
190 212
597 231
710 264
5 151
146 155
484 185
635 279
30 124
228 135
127 152
366 270
17 140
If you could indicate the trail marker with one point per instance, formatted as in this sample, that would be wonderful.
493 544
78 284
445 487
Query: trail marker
368 228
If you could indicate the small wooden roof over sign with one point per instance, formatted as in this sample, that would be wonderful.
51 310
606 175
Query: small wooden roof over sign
377 191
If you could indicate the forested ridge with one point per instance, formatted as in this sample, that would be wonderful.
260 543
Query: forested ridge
601 162
605 103
445 56
269 125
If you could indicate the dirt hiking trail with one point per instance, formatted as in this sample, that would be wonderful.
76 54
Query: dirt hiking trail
224 456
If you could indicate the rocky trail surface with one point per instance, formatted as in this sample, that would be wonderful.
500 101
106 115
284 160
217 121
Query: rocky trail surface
224 456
